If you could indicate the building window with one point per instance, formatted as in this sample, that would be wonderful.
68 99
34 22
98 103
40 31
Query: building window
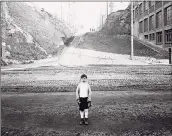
141 27
146 5
152 37
168 16
140 9
159 37
136 12
146 37
168 36
146 25
159 19
158 1
151 23
151 6
158 4
151 3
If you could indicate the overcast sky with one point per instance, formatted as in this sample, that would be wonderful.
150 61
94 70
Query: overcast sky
81 13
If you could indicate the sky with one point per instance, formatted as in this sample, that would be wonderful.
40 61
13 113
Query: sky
81 13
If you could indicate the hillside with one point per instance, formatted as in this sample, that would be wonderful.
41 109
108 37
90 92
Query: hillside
116 44
30 33
118 23
111 45
114 37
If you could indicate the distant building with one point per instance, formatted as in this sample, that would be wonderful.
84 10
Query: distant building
153 21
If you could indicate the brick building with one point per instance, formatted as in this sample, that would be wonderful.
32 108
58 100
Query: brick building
153 22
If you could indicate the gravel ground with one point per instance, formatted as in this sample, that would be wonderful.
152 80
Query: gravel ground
120 113
101 78
126 101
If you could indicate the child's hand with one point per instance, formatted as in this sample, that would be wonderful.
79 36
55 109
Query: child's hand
89 104
88 100
78 101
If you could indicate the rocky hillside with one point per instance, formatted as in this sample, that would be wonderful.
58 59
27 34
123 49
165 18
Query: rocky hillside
30 33
118 23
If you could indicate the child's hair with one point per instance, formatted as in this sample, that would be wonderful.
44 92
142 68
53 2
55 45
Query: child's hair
83 75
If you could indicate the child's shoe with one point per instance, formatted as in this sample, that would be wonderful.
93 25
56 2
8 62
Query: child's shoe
81 122
86 121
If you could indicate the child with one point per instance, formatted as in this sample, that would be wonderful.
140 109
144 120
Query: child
83 97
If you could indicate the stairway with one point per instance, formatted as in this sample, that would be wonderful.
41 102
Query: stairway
154 47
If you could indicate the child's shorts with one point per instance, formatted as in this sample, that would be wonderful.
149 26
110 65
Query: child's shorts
83 103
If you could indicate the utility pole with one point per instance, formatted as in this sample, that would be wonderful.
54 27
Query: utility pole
55 24
107 11
102 20
131 57
61 11
68 12
170 54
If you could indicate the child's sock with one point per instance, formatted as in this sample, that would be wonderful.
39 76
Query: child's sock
86 113
82 114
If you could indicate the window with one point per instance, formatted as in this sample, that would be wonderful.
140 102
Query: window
159 19
141 27
168 36
168 16
158 4
146 37
146 25
152 37
159 37
146 5
151 23
151 6
151 3
136 12
158 1
140 9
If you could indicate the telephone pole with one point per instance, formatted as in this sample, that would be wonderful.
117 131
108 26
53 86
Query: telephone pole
131 57
68 13
102 20
61 11
107 11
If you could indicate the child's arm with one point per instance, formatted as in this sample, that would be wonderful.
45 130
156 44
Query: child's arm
89 93
77 92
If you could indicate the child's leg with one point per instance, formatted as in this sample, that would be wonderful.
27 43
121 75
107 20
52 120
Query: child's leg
86 113
82 114
82 117
86 116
